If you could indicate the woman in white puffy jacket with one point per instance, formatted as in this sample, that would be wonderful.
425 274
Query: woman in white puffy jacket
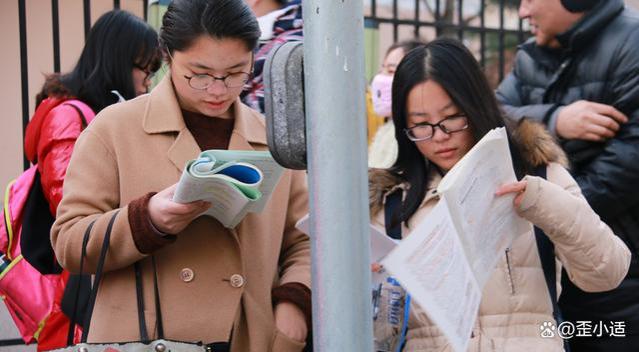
442 105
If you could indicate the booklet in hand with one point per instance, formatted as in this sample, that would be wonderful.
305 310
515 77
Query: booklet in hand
235 182
449 256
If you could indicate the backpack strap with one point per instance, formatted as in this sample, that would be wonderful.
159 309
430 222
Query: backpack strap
83 118
391 207
546 251
6 216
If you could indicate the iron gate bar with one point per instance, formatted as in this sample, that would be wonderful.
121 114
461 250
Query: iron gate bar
460 19
437 19
501 39
87 18
417 18
482 35
24 71
475 29
395 18
55 22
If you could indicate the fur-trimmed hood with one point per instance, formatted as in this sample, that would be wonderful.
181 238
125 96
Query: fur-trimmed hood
537 146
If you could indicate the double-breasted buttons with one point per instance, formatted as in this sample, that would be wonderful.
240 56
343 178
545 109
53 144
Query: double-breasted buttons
237 280
187 275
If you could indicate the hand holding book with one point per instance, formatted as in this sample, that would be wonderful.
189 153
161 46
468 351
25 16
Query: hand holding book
170 217
234 182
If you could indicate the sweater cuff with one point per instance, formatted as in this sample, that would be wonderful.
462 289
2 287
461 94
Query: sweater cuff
299 295
146 237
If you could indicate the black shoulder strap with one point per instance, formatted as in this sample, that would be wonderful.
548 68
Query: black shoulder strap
98 277
547 256
391 207
82 117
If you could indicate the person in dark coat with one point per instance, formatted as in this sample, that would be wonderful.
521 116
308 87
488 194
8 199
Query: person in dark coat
579 75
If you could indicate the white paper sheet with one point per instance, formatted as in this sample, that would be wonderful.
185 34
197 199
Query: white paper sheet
431 265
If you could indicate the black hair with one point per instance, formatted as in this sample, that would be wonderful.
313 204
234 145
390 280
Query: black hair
450 64
186 20
117 42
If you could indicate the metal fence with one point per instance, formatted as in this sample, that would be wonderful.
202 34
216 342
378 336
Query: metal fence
490 28
55 19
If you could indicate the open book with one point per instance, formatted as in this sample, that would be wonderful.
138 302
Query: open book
448 257
235 182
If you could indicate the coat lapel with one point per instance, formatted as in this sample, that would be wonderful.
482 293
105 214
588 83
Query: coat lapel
249 129
163 115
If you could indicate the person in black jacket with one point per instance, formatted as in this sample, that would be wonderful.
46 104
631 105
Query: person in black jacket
579 76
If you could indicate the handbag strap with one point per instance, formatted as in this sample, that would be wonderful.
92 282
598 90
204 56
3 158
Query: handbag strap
73 321
546 251
98 277
139 293
158 310
144 335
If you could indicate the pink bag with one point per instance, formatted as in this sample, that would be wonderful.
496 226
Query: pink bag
29 272
27 293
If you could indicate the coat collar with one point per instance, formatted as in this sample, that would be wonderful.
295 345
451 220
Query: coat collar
163 115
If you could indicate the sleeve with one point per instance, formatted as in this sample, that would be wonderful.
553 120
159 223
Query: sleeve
516 106
608 181
146 236
295 255
59 132
92 194
596 260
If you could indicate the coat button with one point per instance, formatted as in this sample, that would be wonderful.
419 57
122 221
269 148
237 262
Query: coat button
237 280
187 275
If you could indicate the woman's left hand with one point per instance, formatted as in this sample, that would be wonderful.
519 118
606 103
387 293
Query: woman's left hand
290 320
519 188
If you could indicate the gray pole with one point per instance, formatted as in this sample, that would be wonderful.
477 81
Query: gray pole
338 186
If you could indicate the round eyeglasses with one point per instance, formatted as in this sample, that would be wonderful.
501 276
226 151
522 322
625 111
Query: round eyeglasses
424 131
232 80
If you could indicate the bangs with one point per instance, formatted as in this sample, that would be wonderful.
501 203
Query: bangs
149 55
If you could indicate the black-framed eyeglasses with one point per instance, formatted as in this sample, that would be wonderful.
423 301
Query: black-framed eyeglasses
423 131
149 73
205 80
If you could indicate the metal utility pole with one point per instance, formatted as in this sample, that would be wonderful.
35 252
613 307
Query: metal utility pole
338 183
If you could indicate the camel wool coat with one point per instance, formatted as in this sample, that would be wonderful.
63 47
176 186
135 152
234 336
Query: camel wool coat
213 282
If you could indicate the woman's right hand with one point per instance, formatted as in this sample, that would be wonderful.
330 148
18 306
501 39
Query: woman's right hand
170 217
